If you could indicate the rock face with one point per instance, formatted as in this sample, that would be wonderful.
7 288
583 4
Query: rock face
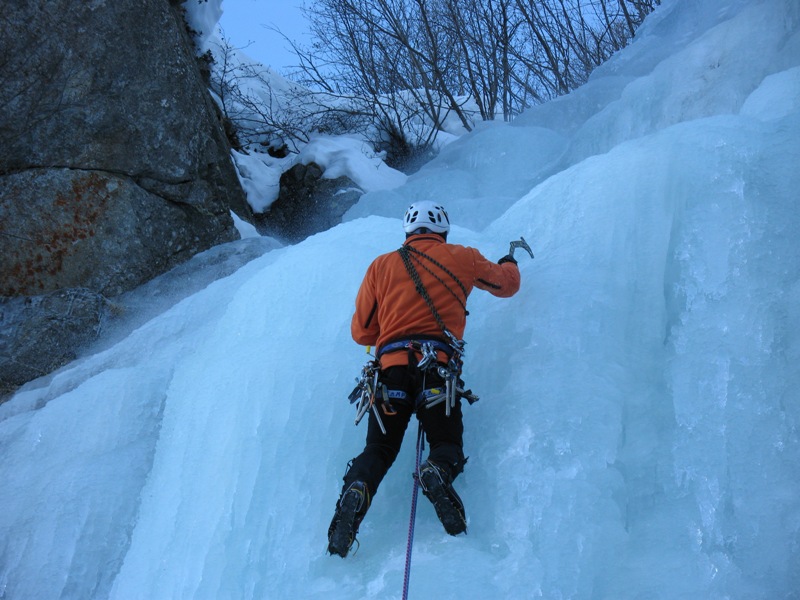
307 203
39 334
114 165
106 121
93 229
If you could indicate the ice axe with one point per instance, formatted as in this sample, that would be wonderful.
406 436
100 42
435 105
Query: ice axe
520 243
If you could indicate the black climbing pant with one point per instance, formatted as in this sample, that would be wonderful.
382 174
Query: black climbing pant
444 434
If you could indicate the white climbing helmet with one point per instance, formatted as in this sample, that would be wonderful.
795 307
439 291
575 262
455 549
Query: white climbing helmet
426 214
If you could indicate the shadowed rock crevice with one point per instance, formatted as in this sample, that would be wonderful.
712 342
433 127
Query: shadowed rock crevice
308 203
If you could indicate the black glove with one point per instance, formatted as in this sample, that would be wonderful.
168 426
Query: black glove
507 258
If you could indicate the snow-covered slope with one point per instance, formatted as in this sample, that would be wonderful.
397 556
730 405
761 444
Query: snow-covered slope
637 435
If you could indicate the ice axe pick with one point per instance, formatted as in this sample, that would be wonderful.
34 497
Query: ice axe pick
520 243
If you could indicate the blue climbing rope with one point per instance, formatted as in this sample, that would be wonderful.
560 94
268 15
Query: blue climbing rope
415 493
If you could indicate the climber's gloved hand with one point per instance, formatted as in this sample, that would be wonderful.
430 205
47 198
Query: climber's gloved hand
507 258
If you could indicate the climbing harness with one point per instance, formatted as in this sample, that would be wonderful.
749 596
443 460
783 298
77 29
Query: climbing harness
426 345
370 394
413 518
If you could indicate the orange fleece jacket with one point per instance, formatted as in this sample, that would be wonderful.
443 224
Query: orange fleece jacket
389 307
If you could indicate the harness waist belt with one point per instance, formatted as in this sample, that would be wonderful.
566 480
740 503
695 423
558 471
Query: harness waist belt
415 344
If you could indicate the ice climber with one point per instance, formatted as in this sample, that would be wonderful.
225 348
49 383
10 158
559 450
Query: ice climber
412 307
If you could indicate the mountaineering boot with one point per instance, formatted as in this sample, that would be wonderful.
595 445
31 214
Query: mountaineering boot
436 486
350 511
